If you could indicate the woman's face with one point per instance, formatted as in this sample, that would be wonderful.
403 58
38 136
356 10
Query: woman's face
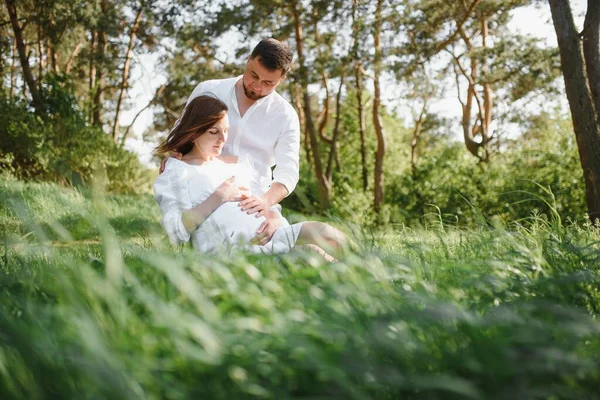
211 142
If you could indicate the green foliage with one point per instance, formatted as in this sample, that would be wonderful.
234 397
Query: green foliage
349 200
524 67
445 313
538 171
53 212
61 146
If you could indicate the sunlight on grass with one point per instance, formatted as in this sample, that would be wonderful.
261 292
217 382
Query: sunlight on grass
96 302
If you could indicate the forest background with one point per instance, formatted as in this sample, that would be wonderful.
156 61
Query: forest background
510 152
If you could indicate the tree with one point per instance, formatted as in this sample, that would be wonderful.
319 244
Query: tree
489 63
126 66
380 154
422 91
99 63
357 30
21 47
580 60
322 183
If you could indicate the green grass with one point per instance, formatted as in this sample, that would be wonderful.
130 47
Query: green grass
94 303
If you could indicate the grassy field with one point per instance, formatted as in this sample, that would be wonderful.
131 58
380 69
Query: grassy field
94 303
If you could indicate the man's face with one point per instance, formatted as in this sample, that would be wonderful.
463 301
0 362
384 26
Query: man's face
258 81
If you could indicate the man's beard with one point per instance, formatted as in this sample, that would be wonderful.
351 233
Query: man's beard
252 95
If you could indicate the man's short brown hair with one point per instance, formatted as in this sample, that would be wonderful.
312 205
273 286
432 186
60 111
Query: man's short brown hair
274 55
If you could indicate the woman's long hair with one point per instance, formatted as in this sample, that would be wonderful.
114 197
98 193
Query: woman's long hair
198 116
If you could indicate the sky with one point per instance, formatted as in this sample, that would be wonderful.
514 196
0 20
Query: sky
533 21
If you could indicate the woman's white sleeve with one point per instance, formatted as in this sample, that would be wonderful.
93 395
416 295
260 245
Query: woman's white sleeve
172 195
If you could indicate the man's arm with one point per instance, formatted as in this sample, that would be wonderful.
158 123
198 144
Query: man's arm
275 194
286 173
287 155
260 205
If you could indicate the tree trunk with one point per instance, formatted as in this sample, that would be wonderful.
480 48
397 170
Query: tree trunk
53 57
296 101
48 54
415 138
72 57
581 103
359 96
92 72
27 74
361 128
13 69
323 188
324 117
99 67
336 132
380 154
92 65
41 64
24 87
470 130
591 50
99 79
488 95
297 96
125 76
470 142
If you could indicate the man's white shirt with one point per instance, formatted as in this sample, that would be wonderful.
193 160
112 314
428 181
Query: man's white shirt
268 134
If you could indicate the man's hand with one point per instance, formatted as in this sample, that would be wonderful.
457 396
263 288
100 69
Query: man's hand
229 191
256 205
266 230
164 161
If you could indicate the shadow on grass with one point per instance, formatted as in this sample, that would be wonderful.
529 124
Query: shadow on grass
80 227
133 226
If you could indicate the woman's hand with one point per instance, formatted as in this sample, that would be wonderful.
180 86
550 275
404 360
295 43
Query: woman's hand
229 191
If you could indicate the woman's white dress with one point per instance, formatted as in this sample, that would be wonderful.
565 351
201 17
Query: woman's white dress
183 186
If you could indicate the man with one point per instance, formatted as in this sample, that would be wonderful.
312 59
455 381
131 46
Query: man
264 127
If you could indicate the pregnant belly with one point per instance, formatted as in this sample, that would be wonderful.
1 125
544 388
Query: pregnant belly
229 223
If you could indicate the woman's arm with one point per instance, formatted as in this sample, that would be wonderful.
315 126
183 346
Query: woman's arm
228 191
180 216
172 195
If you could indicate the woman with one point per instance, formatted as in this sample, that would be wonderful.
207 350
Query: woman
199 194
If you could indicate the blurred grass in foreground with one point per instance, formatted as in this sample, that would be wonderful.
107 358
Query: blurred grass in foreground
94 303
